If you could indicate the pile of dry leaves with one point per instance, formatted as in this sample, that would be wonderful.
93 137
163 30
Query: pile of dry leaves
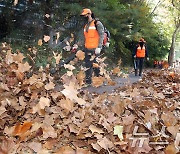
37 118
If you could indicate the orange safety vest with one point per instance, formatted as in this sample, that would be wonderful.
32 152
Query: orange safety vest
140 52
91 36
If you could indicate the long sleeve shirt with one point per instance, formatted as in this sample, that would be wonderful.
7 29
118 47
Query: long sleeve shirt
99 28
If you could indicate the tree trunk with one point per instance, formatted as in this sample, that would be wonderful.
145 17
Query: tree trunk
172 48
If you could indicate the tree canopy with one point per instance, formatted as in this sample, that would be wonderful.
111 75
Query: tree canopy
127 21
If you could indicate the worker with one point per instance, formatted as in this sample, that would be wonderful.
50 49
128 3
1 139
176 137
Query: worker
139 54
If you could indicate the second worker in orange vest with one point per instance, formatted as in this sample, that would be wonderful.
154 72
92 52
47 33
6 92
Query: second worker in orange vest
139 54
93 36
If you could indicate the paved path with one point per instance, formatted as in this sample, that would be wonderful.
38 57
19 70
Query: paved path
120 82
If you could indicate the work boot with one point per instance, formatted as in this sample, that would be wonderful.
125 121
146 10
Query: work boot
88 81
140 73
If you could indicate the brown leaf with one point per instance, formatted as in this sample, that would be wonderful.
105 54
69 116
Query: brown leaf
43 102
65 150
173 130
169 119
97 81
96 146
50 143
116 71
71 93
82 151
95 65
128 120
18 58
46 38
80 55
49 86
111 83
20 76
66 104
22 128
2 110
73 128
35 146
40 42
105 143
95 129
119 107
80 77
6 146
23 67
170 149
9 57
69 66
57 58
49 132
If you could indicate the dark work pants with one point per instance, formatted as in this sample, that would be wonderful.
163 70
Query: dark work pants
138 66
89 66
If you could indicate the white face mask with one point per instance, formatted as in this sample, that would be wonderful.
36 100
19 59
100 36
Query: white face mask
141 43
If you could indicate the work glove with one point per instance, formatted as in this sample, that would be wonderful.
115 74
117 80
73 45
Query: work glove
134 56
107 45
74 48
147 58
97 51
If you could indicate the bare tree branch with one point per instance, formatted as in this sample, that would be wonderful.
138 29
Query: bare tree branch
159 2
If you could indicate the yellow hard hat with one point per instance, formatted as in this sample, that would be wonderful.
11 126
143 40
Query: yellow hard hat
86 11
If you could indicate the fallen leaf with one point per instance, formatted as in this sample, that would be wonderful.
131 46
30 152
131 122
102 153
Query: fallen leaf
68 66
96 146
105 143
80 77
80 55
169 119
15 2
46 38
116 71
22 130
49 86
40 42
95 129
82 151
2 110
57 58
47 15
6 146
18 58
49 132
71 93
23 67
50 143
95 65
43 102
9 57
118 130
20 76
97 81
35 146
66 104
65 150
170 149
